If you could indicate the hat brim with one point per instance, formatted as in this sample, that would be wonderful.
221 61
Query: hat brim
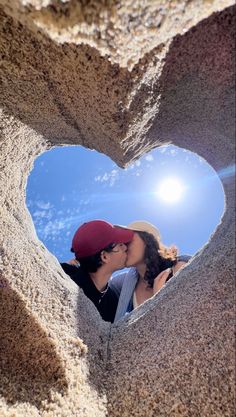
144 226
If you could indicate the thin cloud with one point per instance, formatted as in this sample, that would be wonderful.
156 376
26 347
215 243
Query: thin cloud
53 228
38 215
149 158
44 206
163 149
135 164
108 177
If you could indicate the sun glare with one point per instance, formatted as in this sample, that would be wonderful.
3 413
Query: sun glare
170 190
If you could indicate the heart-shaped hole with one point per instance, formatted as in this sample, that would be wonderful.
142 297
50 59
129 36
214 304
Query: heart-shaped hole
172 188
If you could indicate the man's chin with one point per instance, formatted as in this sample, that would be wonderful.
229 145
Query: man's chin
121 266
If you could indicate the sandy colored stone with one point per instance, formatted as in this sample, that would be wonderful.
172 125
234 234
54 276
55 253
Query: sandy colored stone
122 30
98 74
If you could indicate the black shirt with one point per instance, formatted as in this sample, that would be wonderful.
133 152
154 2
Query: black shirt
106 302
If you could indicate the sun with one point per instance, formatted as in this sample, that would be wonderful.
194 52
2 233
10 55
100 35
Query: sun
170 190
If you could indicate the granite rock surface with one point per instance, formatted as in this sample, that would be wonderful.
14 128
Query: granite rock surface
122 78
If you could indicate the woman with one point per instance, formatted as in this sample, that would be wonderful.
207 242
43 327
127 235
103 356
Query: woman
153 264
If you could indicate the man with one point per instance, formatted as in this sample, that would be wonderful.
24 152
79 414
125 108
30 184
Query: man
100 249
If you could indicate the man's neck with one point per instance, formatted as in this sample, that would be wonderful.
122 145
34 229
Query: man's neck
100 278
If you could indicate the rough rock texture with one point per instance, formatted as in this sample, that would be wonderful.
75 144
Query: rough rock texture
123 31
132 76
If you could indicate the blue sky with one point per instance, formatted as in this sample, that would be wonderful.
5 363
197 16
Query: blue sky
71 185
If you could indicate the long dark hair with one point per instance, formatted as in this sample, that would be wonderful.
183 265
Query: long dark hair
157 257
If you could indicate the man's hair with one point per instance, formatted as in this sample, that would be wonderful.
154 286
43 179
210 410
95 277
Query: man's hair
157 257
94 262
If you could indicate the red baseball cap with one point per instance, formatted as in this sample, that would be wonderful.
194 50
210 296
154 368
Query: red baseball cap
93 236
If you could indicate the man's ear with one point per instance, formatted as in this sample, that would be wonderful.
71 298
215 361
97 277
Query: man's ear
105 256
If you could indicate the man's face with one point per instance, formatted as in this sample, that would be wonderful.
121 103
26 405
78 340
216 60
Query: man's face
116 258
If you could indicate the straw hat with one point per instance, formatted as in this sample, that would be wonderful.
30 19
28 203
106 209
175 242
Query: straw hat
143 226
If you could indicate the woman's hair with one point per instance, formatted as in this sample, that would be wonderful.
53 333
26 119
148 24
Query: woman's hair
93 262
157 257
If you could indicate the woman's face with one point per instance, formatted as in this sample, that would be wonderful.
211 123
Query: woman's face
135 253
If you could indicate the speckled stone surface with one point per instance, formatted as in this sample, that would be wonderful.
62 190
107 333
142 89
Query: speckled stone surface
122 79
121 30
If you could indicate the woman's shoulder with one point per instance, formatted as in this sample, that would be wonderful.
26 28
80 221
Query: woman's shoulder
183 258
116 282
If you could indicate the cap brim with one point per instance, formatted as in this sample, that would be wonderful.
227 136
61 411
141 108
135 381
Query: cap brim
122 235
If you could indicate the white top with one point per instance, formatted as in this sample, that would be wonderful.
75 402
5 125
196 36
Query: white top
135 303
